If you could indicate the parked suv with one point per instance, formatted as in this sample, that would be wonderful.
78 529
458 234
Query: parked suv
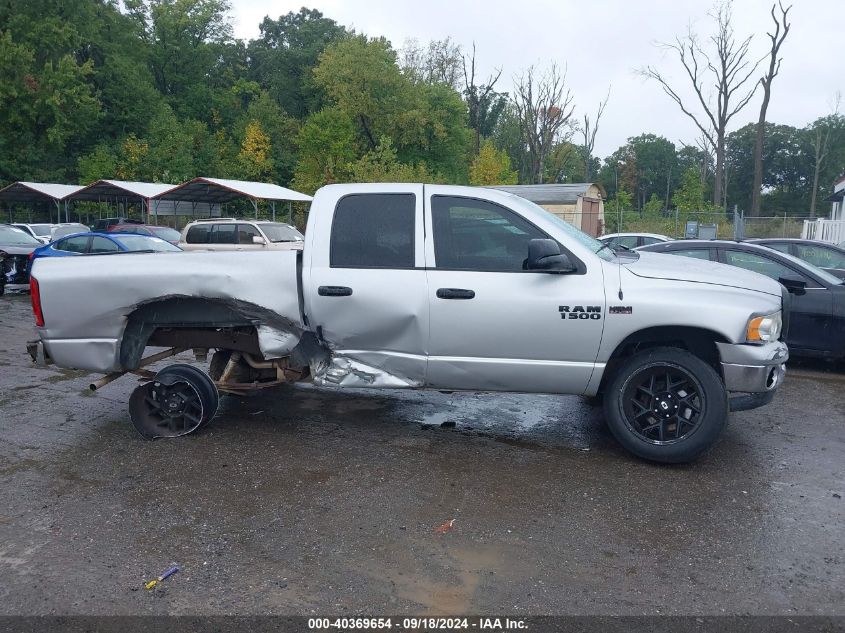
229 234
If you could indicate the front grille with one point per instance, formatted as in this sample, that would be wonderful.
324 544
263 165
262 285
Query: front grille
15 269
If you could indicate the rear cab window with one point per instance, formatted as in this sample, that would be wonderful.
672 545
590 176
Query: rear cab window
373 230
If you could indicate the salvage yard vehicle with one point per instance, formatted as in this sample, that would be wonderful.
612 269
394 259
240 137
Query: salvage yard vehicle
15 248
103 244
229 234
826 256
41 232
427 286
164 232
817 307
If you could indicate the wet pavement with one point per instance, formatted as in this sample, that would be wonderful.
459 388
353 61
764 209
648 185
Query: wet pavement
316 501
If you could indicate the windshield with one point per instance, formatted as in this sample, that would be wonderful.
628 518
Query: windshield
15 237
41 229
599 248
825 276
276 232
166 233
145 243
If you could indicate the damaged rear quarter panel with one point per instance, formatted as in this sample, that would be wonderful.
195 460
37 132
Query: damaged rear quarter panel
91 297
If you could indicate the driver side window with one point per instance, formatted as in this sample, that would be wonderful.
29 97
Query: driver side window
478 235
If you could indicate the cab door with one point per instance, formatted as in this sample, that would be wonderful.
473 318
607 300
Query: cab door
365 285
495 326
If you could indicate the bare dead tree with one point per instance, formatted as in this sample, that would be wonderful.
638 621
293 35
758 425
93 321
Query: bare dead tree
820 150
483 102
437 63
589 131
544 107
728 68
776 36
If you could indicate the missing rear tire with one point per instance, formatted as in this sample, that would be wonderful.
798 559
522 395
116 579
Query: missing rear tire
179 400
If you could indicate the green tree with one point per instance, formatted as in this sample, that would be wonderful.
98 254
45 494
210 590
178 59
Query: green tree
47 102
285 52
185 41
254 158
382 165
491 167
327 145
690 195
423 121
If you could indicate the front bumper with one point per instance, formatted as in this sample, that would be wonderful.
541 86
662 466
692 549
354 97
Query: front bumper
753 369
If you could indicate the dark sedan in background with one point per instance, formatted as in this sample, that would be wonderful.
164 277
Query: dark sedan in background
164 232
826 256
817 311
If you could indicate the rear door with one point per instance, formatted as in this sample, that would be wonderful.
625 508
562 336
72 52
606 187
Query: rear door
495 326
365 285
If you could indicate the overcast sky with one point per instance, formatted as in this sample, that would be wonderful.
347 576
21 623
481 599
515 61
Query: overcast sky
603 43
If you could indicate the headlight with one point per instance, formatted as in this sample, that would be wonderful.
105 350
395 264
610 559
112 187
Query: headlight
763 329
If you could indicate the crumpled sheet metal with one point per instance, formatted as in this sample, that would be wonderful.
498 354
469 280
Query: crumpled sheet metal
342 371
274 342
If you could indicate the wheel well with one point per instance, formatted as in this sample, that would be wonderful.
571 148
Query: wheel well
698 341
186 322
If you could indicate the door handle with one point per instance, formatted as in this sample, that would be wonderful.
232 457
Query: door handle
334 291
455 293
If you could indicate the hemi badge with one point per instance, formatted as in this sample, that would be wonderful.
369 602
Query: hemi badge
621 310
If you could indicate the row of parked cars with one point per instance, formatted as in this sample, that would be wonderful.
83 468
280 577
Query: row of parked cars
21 243
812 271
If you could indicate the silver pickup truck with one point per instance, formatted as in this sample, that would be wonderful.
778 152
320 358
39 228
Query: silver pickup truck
427 286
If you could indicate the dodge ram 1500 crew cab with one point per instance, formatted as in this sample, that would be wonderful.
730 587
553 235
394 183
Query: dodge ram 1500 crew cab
428 286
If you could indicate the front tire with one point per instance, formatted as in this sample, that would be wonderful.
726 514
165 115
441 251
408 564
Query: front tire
666 405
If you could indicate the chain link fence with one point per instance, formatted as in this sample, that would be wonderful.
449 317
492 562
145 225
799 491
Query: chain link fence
705 224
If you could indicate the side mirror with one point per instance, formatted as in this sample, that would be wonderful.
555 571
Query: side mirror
257 239
794 284
545 255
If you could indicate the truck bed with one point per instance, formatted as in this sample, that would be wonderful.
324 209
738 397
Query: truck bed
87 300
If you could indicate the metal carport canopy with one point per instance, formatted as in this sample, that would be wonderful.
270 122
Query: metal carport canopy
101 189
22 191
222 190
37 192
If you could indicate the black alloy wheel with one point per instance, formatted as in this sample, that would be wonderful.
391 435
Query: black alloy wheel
663 403
179 400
